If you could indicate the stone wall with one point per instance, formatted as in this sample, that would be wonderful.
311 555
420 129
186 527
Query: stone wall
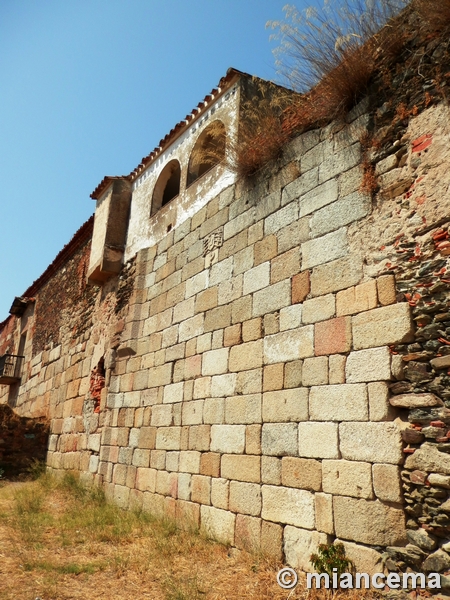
246 374
22 441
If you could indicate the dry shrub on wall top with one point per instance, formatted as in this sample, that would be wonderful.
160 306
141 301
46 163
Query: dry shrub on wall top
262 133
332 52
328 56
434 13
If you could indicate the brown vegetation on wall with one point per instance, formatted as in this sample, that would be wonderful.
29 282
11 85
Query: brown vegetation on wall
334 71
22 441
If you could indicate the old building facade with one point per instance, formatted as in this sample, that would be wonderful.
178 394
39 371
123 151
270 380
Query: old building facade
264 358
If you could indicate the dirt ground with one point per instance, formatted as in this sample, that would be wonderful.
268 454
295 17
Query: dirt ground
62 541
46 554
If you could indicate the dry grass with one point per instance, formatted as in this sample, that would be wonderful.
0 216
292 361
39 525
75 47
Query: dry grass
435 14
60 541
329 56
261 134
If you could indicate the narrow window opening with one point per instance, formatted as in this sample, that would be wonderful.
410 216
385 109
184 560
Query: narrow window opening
97 383
167 186
172 188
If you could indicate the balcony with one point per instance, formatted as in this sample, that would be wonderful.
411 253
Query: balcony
10 367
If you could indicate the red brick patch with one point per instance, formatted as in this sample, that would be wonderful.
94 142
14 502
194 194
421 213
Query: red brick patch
422 142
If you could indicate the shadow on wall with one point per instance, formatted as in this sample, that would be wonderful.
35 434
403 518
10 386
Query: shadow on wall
22 441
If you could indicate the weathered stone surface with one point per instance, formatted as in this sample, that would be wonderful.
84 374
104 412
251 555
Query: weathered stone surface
168 438
441 362
339 162
289 345
288 505
173 392
336 275
241 467
371 442
439 480
271 470
336 364
221 385
215 362
279 439
373 364
300 287
347 478
324 249
214 411
315 371
345 402
291 317
412 436
217 524
365 560
379 406
246 356
356 299
369 522
386 482
386 289
415 400
410 554
285 405
324 513
220 492
428 458
318 197
243 409
332 336
383 326
271 539
301 473
229 439
257 278
438 562
318 309
318 440
247 533
299 544
245 498
272 298
344 211
201 489
422 538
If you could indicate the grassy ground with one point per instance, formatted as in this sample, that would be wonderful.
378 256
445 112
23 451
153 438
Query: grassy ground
61 541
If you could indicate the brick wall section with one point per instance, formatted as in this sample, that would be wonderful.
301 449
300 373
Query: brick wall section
22 441
67 289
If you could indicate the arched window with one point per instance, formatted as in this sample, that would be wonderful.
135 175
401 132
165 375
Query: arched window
209 150
167 186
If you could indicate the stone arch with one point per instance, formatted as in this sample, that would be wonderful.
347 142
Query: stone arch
167 186
208 151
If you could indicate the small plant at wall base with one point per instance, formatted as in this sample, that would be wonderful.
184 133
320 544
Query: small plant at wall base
329 557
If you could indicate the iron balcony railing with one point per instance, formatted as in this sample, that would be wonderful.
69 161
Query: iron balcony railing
10 368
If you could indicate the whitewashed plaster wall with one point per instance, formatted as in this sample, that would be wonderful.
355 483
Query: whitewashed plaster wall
101 223
144 231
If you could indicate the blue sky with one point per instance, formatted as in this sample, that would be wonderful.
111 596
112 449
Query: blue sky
89 87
